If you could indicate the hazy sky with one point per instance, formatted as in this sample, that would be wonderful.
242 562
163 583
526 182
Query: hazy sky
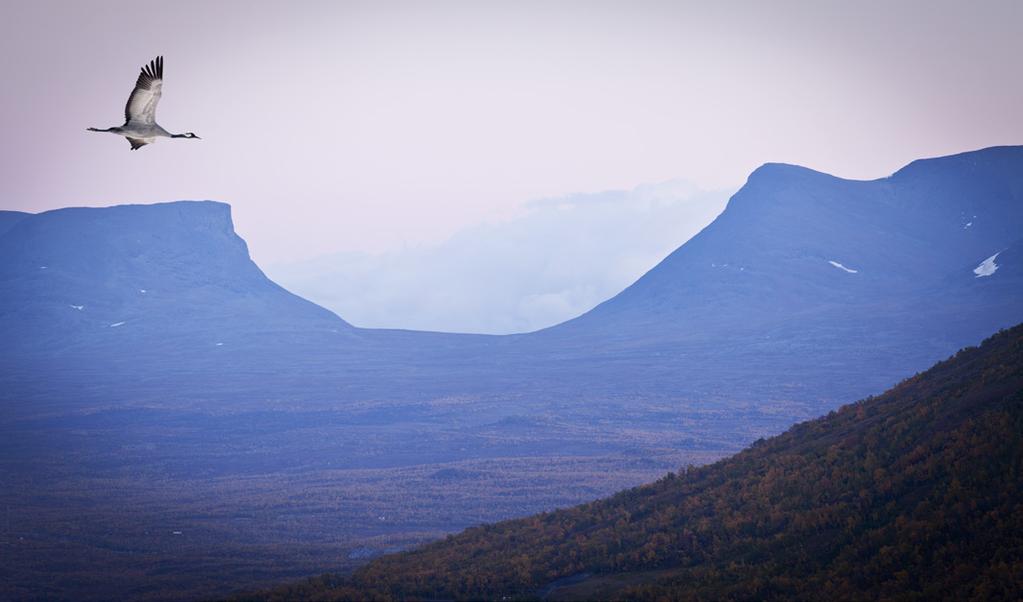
340 127
556 260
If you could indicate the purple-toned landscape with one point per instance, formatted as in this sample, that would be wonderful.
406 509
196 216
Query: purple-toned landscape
511 301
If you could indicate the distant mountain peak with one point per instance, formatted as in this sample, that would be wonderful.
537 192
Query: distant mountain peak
171 270
992 156
773 171
805 260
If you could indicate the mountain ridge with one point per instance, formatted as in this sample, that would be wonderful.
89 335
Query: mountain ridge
176 268
803 274
795 244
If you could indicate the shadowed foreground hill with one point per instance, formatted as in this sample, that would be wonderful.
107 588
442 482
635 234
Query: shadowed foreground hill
912 494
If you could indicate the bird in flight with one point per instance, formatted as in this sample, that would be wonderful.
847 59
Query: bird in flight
140 127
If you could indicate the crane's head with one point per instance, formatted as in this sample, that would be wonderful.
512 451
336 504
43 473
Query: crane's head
186 135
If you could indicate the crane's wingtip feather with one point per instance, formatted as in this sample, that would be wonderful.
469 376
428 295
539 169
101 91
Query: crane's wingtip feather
154 68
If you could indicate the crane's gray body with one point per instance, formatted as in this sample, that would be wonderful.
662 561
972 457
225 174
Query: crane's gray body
140 127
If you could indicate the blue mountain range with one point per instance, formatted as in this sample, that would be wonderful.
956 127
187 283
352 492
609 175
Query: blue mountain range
809 289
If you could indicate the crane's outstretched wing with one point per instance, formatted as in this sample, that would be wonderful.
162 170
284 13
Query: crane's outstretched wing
141 107
136 143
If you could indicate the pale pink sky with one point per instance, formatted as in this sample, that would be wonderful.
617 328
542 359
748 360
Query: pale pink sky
344 126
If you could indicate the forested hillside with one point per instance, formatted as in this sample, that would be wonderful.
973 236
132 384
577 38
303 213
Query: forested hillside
914 494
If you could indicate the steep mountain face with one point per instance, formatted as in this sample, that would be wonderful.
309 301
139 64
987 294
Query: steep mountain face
805 273
794 239
160 280
912 494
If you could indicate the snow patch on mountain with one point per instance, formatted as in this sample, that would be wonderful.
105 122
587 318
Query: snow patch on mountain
842 267
987 267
